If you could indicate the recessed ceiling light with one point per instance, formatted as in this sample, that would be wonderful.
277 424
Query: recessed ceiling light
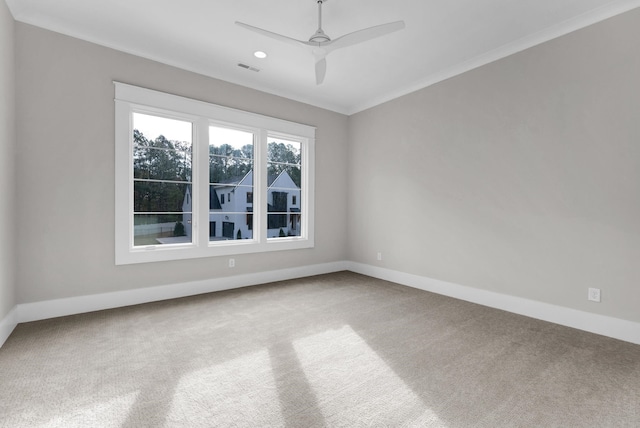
260 54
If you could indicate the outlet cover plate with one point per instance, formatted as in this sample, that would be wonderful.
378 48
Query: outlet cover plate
594 294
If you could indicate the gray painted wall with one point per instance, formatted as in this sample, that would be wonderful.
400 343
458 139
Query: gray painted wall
65 122
521 177
7 157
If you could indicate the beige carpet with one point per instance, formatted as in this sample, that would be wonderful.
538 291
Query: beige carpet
333 350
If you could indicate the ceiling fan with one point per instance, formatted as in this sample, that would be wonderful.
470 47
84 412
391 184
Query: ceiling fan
322 44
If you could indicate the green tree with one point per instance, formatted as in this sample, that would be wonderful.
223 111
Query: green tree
162 172
228 163
178 230
284 157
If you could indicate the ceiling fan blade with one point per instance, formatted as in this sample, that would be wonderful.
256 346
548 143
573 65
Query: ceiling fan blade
272 35
321 70
364 35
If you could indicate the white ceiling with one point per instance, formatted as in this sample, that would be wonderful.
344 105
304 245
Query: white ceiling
442 38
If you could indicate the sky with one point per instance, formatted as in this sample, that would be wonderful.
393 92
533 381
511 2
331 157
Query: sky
179 130
154 126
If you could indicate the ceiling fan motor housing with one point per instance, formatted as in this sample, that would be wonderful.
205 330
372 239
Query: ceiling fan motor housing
319 37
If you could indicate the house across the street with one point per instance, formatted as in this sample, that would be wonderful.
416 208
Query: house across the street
231 208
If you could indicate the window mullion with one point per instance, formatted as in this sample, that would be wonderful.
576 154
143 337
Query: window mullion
308 189
260 186
201 183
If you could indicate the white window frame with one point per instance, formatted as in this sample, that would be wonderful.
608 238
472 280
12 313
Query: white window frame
130 99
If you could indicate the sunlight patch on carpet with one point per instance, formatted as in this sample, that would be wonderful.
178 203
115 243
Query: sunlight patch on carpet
112 413
228 394
354 385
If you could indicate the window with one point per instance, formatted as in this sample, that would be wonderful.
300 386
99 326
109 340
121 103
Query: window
161 177
284 174
250 218
231 166
178 163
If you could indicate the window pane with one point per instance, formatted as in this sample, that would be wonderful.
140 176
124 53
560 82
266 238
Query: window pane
230 154
161 229
162 156
283 188
231 191
161 148
161 164
225 226
284 177
149 129
231 210
152 196
283 224
283 151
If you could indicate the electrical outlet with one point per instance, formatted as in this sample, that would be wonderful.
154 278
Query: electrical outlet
379 256
594 294
232 263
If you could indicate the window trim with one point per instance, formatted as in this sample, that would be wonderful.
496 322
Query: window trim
129 99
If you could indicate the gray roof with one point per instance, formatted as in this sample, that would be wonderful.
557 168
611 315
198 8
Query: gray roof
214 201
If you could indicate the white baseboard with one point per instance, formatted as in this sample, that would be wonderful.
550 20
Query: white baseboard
7 324
76 305
36 311
607 326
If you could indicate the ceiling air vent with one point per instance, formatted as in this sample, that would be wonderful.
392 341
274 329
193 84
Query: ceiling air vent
248 67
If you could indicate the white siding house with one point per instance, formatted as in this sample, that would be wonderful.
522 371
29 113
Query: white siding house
231 208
